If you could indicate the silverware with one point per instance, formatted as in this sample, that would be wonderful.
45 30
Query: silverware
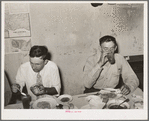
127 100
21 92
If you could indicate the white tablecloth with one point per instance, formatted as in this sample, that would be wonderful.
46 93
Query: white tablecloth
80 102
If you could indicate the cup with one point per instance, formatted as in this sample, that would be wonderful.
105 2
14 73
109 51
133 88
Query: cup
111 58
26 99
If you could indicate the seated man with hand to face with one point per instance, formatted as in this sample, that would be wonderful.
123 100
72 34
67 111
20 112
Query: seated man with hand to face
103 69
40 75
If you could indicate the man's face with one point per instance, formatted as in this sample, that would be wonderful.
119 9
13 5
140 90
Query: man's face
37 63
108 47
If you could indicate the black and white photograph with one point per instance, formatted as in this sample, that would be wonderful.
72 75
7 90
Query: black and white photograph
74 60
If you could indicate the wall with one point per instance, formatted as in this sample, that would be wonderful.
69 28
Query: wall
71 32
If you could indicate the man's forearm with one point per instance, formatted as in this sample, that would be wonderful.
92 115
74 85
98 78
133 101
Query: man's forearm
50 91
91 78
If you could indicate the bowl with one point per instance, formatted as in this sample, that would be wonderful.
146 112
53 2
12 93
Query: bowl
64 98
114 104
44 103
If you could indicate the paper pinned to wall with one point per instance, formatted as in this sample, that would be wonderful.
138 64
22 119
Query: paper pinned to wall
17 23
15 8
17 45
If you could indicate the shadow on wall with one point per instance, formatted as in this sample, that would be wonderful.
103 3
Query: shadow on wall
62 86
117 50
49 56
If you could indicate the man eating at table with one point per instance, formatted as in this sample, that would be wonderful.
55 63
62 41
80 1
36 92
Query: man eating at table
40 75
103 70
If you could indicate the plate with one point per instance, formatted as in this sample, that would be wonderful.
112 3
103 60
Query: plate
110 93
66 106
116 102
44 103
111 90
64 98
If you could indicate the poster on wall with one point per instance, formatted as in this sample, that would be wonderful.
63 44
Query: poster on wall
17 23
13 45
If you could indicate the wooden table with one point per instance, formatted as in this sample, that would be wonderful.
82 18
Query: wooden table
79 102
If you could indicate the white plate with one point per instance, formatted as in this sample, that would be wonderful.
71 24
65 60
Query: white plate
61 97
117 92
49 100
111 90
117 102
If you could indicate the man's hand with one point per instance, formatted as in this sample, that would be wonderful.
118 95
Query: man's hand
38 89
15 87
110 57
103 58
125 90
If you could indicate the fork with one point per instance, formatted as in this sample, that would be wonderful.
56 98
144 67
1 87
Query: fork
21 92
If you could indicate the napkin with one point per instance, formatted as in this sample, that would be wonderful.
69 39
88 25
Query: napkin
95 102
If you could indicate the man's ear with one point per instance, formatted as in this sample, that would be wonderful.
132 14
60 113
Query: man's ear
45 62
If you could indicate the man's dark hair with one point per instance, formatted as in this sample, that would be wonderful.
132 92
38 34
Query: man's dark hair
107 38
38 51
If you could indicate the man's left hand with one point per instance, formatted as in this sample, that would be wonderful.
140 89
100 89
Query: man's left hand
125 90
38 90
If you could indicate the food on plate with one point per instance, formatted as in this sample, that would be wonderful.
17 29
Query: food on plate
108 95
117 107
43 105
65 99
118 104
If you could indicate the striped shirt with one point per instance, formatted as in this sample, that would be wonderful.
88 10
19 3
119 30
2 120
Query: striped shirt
108 75
49 74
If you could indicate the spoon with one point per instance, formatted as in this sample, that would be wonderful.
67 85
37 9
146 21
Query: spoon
127 100
21 92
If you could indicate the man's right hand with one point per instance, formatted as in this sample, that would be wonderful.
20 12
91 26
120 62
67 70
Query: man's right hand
15 87
103 58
